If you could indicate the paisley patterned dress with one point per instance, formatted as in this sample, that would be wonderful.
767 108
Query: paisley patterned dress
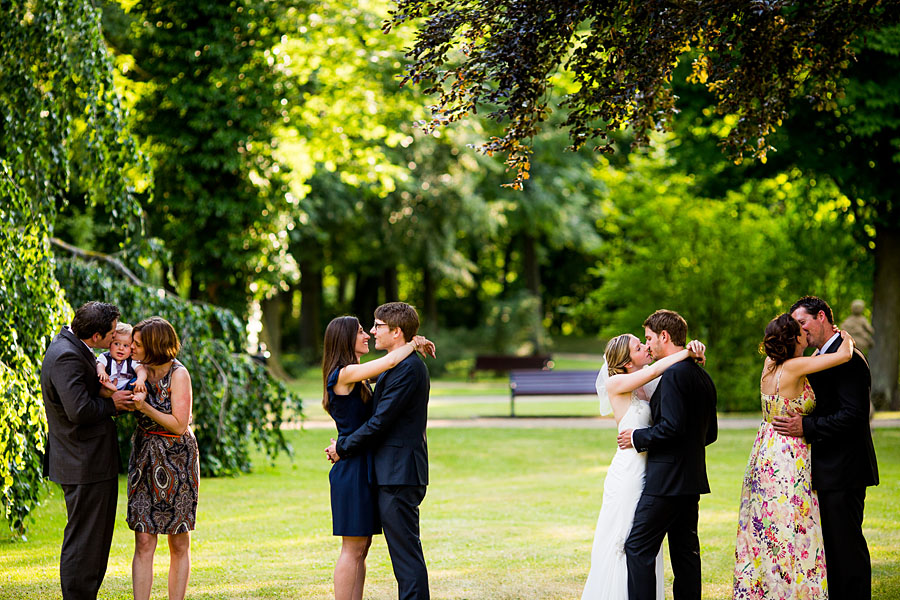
779 553
163 471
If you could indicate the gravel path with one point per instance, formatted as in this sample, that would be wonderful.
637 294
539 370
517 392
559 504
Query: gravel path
561 423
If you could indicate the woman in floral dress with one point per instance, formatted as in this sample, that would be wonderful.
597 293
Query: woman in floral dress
164 468
779 553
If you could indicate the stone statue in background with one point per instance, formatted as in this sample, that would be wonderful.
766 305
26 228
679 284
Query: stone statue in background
859 327
862 331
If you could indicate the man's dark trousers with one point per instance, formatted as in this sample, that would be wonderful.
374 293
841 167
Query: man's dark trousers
91 511
399 509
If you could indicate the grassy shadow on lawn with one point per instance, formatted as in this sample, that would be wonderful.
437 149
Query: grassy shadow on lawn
510 514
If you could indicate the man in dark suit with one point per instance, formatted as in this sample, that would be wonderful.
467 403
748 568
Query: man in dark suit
684 423
82 449
395 433
843 456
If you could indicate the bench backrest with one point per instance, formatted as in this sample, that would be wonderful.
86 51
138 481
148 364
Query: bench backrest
501 362
539 383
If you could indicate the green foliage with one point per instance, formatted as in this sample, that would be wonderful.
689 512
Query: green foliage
31 310
235 400
727 265
60 124
619 57
208 85
60 110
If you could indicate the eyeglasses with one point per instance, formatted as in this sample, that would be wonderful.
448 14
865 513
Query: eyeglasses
377 325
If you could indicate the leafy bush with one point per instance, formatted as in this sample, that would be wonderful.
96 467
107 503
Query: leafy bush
235 400
31 307
728 266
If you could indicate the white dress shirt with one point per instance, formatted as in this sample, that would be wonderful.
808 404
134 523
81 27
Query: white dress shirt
827 344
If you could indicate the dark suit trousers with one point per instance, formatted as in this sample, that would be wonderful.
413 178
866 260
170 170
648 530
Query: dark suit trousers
654 517
846 552
399 508
91 511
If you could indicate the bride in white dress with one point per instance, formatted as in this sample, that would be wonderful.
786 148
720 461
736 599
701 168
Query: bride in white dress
625 384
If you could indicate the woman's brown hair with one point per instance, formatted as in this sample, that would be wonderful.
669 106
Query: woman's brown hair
780 338
159 340
339 351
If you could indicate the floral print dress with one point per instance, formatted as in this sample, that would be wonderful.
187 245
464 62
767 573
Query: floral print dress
779 554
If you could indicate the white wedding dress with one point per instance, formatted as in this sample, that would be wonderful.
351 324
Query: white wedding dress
608 579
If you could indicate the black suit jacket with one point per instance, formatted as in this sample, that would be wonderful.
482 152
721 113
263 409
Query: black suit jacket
684 423
82 446
843 455
395 433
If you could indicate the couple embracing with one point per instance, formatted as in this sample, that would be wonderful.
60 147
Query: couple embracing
380 458
666 416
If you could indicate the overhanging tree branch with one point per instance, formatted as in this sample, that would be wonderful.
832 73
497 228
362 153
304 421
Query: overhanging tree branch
91 255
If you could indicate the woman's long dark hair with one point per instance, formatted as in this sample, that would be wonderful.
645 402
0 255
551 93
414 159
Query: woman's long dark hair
338 352
780 339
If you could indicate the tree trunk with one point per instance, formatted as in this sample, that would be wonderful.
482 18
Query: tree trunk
310 308
272 315
533 284
504 275
391 285
365 299
475 303
885 356
342 292
532 269
430 299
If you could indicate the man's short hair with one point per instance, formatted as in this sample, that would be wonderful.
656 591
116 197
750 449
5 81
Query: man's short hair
94 317
813 305
670 321
399 314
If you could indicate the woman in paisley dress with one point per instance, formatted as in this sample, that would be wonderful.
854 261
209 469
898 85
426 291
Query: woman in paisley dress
347 398
164 468
620 386
779 553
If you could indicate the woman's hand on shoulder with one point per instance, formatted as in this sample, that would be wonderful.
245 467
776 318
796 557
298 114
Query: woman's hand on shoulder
849 342
424 346
697 350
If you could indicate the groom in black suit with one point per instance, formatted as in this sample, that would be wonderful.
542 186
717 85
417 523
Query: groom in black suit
684 423
843 456
82 448
396 435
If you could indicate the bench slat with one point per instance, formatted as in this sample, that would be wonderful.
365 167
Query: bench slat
550 383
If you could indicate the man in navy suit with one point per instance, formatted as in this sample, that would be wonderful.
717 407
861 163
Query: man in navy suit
684 423
396 434
82 448
843 456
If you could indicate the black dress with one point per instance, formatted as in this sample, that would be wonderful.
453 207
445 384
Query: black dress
354 508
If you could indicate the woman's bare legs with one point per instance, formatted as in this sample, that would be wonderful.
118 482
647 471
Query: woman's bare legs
179 564
142 565
350 570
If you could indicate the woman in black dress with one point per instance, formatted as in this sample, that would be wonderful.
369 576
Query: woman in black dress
164 468
347 399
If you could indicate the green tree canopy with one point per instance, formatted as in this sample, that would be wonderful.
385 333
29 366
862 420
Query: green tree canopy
505 56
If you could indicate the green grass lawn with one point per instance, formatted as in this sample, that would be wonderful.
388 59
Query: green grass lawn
510 514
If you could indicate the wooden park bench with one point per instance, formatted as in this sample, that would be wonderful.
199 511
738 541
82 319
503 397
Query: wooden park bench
504 363
550 383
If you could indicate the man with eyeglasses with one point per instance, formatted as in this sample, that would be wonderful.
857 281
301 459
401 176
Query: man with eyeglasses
395 434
